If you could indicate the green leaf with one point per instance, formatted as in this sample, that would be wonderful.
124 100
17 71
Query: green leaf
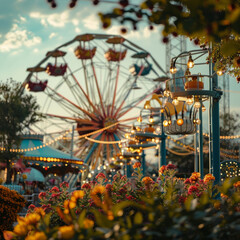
81 218
230 47
138 218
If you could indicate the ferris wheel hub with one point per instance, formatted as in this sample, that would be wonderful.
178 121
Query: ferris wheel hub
108 122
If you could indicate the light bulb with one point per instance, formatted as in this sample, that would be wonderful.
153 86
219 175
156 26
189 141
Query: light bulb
189 101
203 108
165 123
169 122
197 105
151 120
198 121
175 101
180 122
173 69
147 105
190 63
139 119
220 72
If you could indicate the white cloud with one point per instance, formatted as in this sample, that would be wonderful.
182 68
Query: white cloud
75 21
91 22
17 38
55 19
77 30
52 35
36 50
23 19
0 35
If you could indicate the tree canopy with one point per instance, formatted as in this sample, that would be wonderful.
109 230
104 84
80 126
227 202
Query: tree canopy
18 111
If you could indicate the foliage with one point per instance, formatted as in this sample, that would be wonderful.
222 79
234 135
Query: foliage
17 112
203 22
162 209
11 203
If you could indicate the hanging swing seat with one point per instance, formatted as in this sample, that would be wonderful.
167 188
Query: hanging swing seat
54 70
36 86
82 53
56 53
115 56
194 83
140 70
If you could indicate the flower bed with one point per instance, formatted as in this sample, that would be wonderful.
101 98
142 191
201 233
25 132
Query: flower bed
139 208
11 203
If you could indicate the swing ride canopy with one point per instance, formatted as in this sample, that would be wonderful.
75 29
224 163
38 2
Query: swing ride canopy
34 149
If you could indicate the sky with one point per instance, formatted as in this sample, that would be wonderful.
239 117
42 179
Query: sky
31 28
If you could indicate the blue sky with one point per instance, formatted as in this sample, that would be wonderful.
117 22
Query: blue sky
30 28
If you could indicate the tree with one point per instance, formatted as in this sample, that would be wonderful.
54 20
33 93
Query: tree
17 112
209 21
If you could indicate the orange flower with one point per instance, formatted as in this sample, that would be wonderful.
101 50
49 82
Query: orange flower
32 219
237 184
147 180
136 165
195 176
162 169
87 223
208 177
98 189
66 232
37 236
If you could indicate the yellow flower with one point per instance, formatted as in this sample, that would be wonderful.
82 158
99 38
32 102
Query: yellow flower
37 236
32 219
208 177
66 232
78 194
21 229
72 204
97 190
39 211
87 223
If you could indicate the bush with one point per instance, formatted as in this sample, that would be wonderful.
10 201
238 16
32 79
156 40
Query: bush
11 203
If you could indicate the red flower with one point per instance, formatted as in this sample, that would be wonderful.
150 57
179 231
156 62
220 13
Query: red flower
171 166
181 199
130 197
42 195
64 185
192 189
101 175
109 187
55 189
187 181
31 206
86 186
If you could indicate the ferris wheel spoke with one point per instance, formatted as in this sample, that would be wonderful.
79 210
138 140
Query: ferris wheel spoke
137 102
98 90
82 90
92 116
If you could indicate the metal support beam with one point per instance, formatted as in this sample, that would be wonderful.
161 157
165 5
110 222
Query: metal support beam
216 133
201 141
163 143
143 163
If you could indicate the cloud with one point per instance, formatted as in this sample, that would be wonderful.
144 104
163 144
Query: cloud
77 30
52 35
91 22
55 19
17 38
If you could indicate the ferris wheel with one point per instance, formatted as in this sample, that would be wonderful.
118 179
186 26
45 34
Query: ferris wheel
95 83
